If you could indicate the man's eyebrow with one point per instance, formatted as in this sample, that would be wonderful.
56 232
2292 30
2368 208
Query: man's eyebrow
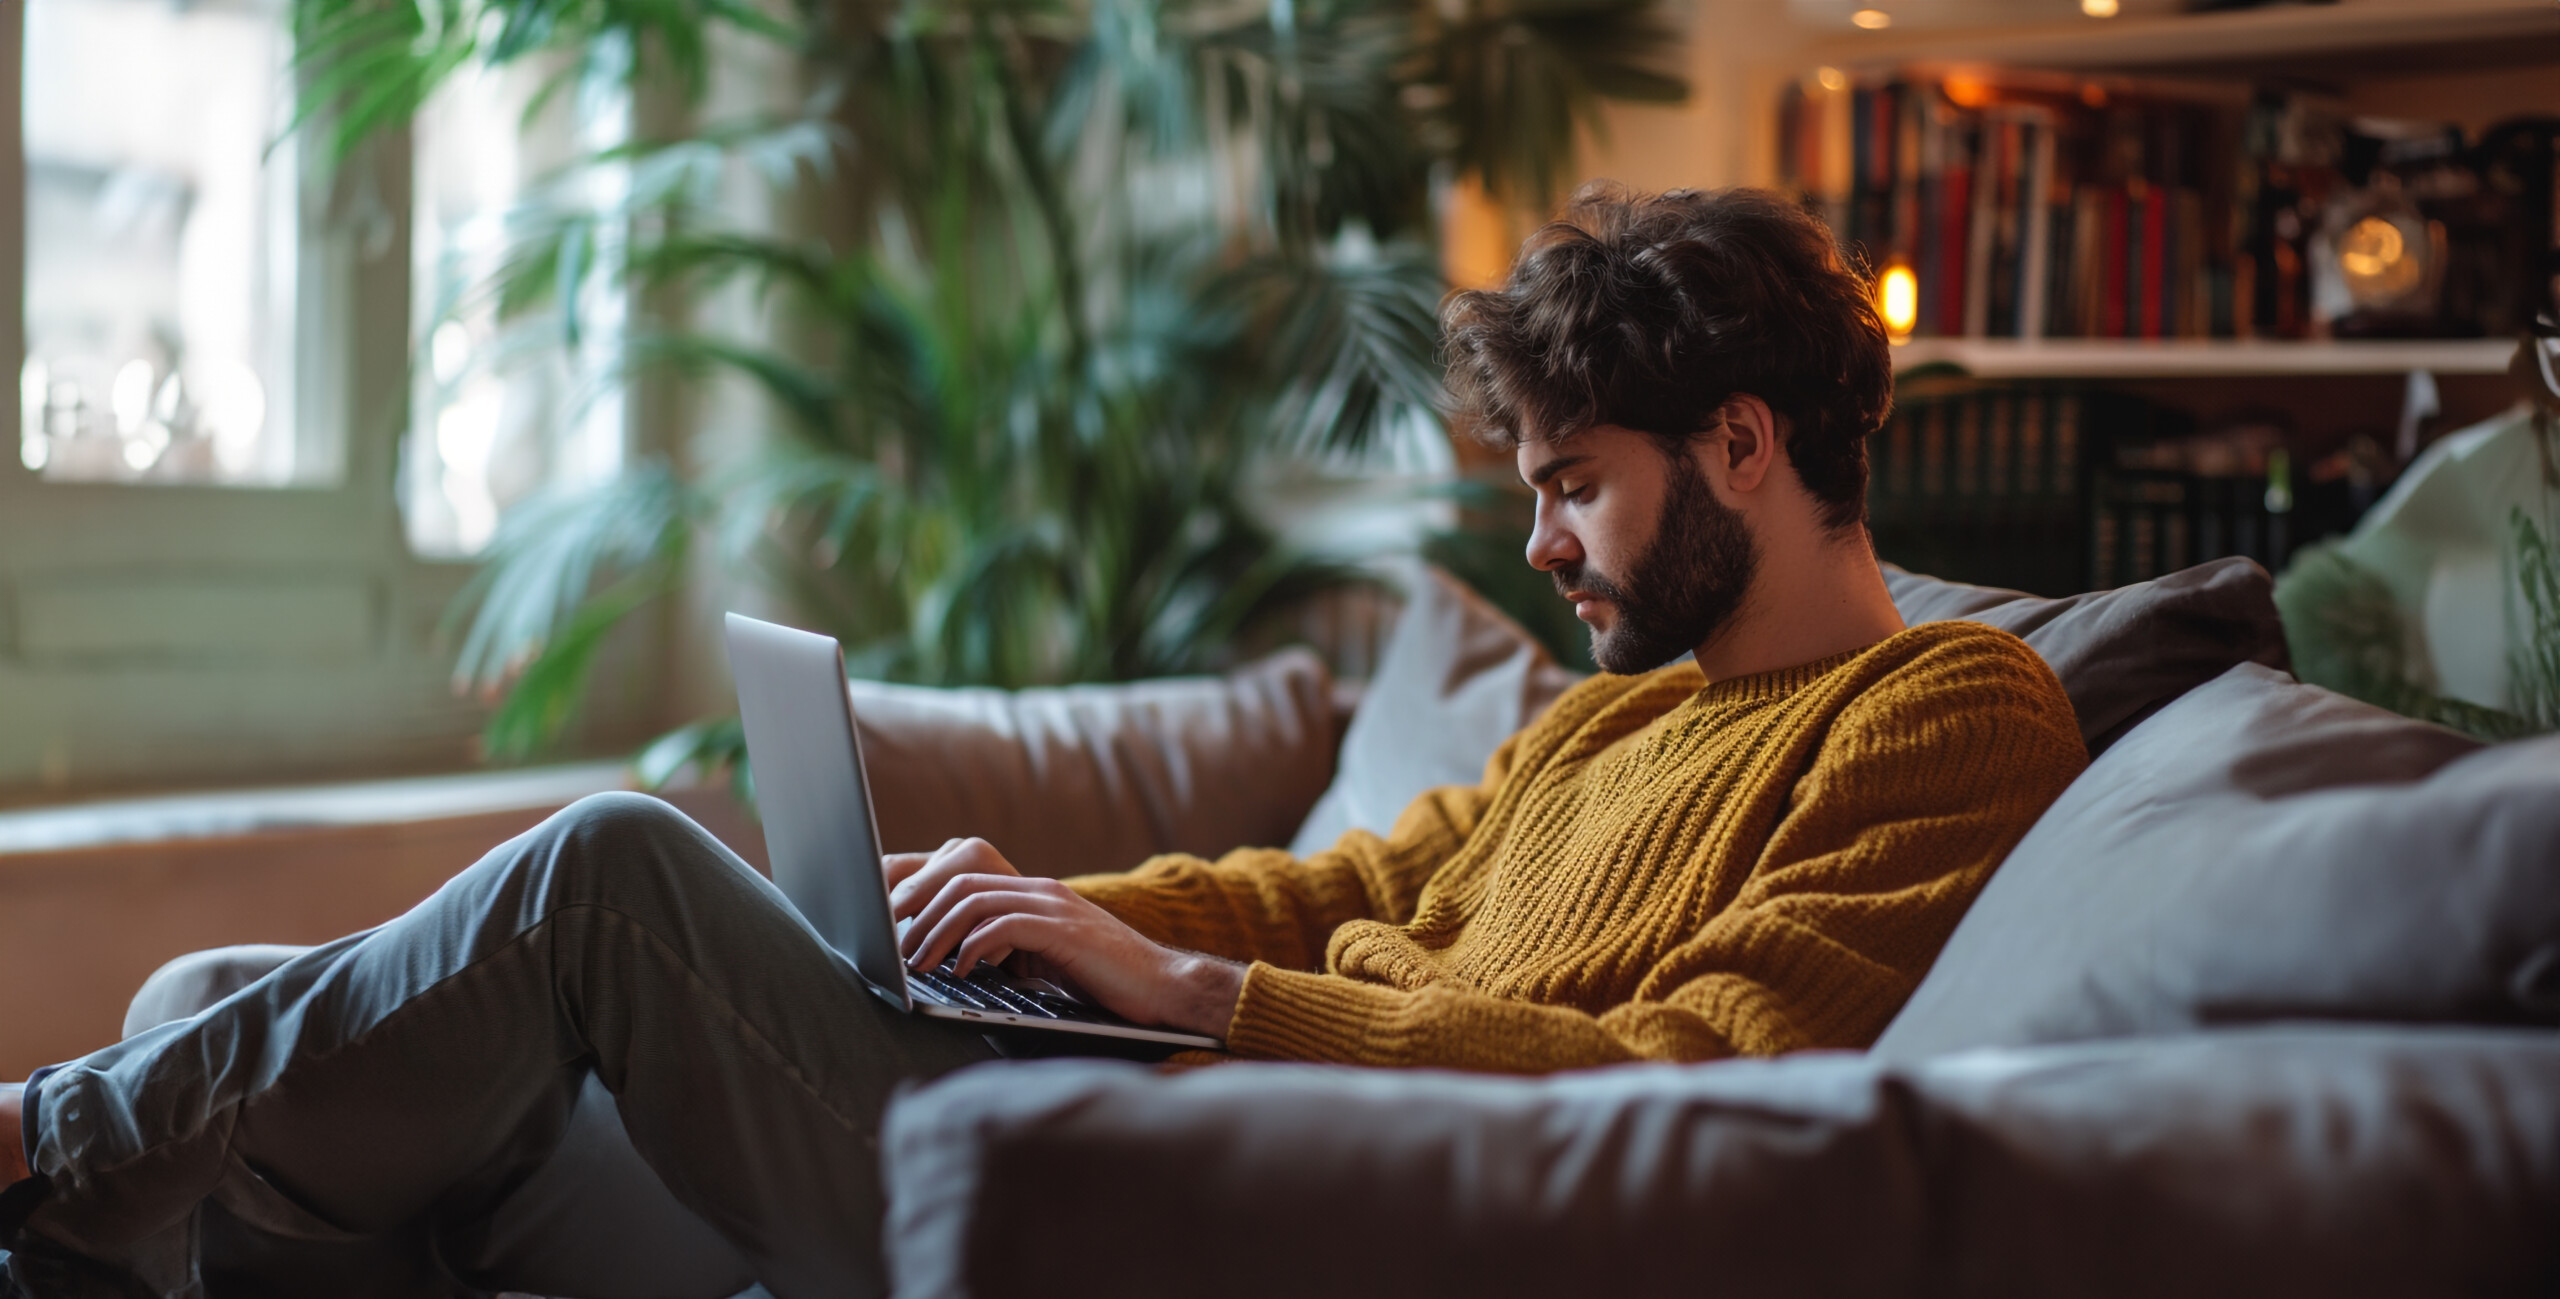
1538 477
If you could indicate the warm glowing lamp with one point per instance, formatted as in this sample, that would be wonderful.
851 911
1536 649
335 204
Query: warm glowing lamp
1872 19
2099 8
1898 300
1965 89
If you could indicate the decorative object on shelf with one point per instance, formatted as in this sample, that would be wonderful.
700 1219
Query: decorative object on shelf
2380 268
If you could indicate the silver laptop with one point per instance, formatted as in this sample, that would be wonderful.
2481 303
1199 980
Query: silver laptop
825 846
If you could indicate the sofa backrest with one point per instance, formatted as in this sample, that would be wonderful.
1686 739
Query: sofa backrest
2258 850
2125 652
1077 779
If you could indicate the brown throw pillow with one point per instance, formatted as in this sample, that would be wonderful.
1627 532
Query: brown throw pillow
2121 654
1099 778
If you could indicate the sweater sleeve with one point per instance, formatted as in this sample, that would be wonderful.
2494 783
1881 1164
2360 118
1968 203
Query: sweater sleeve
1912 800
1262 904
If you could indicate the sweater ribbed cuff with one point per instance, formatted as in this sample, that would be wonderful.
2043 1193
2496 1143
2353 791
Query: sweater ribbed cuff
1294 1015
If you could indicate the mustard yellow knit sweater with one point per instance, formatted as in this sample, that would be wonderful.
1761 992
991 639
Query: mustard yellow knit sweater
1656 869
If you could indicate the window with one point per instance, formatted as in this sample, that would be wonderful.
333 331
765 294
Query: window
501 407
161 247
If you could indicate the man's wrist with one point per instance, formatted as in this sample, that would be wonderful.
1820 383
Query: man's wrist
1206 990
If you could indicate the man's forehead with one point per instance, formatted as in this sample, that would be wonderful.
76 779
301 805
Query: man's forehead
1541 456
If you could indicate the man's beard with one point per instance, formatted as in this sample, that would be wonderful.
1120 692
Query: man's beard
1684 589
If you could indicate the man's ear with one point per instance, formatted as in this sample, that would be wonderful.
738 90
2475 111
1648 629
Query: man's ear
1749 447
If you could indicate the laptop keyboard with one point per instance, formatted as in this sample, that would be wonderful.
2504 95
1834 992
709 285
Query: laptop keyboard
987 988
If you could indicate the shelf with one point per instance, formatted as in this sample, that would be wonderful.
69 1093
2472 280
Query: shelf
2386 35
2109 358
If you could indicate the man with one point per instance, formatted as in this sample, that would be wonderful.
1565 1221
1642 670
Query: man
1757 849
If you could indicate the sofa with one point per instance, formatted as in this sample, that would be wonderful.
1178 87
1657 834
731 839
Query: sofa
2264 1004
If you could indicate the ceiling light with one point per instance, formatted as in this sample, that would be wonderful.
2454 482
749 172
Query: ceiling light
1872 19
1831 78
2099 8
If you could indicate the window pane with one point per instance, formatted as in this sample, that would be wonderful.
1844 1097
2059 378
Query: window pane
160 245
502 407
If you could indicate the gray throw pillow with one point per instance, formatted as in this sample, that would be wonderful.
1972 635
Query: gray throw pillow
2122 653
2263 850
1457 677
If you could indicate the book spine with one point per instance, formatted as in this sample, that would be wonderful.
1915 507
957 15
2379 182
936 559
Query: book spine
2155 262
2112 266
1790 138
1906 170
2088 259
1998 438
1969 449
1862 146
2036 287
1980 232
1955 237
1837 167
2001 315
2195 278
2033 431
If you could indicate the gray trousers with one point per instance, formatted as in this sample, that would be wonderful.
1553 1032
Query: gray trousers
607 1061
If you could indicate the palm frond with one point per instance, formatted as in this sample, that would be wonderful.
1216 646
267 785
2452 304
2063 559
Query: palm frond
1348 345
550 555
1521 76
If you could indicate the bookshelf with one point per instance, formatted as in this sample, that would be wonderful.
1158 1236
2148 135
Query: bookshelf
2197 358
2126 358
2388 37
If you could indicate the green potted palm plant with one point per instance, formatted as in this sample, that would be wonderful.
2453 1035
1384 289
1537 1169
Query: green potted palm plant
1061 277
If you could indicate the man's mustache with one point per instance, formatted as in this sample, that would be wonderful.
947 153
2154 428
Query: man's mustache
1578 577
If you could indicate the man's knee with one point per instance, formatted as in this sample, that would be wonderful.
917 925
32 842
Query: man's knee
192 982
621 842
623 815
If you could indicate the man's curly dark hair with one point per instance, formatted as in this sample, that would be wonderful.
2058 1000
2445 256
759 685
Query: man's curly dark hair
1649 311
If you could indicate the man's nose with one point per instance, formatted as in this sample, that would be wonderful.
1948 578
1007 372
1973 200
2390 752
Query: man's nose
1551 547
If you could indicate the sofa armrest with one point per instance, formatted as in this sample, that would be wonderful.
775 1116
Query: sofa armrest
2249 1162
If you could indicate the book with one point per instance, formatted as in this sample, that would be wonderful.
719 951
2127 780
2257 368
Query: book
2034 287
2155 269
1981 230
1955 237
2113 267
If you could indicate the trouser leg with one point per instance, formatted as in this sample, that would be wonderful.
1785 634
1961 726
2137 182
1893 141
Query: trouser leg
419 1071
592 1219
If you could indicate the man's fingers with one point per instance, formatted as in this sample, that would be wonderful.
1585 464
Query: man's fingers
957 920
955 857
929 940
952 890
895 867
999 938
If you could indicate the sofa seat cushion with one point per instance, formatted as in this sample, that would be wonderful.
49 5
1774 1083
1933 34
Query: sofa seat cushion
1077 779
2341 1163
2125 652
2262 849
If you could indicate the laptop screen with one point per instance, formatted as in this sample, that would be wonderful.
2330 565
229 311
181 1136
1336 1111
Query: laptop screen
816 804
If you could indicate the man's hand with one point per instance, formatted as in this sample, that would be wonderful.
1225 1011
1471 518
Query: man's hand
966 897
